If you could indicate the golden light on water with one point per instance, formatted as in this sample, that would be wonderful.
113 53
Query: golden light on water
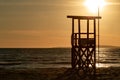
99 65
93 5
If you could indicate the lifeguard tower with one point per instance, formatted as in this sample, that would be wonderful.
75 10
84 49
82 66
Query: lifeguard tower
83 41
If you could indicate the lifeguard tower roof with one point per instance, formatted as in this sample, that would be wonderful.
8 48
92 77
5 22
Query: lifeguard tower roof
84 17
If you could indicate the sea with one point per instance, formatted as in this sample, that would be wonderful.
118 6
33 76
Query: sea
30 58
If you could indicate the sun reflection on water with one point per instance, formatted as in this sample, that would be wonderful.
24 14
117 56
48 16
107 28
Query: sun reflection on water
99 65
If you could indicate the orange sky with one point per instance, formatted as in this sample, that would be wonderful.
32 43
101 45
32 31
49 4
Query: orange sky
43 23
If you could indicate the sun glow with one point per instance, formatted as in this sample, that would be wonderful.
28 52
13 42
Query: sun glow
93 5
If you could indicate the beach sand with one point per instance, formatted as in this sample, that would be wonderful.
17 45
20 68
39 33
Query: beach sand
111 73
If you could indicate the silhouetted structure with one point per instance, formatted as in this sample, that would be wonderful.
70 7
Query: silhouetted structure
83 41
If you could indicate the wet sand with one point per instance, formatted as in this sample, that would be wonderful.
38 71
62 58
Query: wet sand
112 73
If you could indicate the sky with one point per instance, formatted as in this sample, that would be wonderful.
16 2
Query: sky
44 23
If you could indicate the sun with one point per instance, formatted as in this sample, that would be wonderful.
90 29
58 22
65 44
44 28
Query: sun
93 5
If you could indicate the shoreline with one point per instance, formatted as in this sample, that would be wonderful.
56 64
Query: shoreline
110 73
